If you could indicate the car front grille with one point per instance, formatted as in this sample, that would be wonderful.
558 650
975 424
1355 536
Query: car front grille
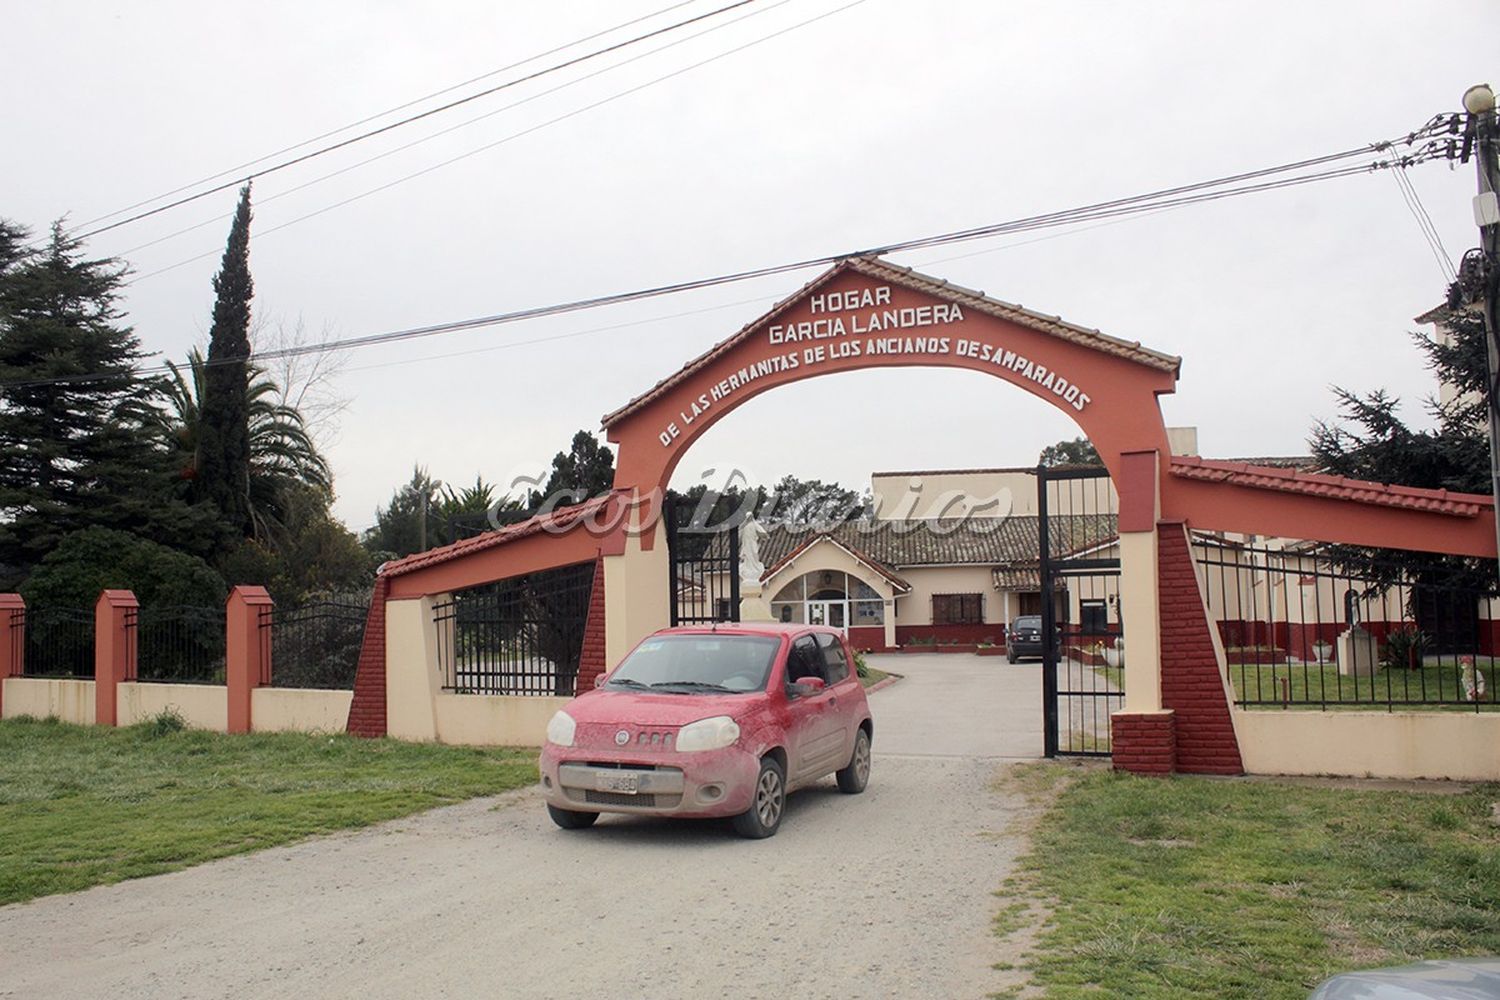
619 799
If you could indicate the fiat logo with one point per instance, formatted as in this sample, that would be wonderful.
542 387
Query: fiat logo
622 738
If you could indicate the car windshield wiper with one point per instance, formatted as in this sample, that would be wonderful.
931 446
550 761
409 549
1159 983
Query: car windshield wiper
695 686
630 682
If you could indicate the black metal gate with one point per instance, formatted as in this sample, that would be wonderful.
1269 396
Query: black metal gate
1083 676
703 562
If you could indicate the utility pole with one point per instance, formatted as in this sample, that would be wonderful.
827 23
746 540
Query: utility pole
1479 102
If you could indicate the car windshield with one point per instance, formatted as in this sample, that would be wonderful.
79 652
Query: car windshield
698 664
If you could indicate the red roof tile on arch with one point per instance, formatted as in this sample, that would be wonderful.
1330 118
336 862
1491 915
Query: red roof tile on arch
1285 480
557 520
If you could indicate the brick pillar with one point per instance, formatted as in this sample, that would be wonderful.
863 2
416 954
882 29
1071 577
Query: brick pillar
367 710
1144 742
114 650
247 652
1192 683
12 640
591 661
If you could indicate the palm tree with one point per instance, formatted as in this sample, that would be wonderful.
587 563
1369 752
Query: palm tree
282 453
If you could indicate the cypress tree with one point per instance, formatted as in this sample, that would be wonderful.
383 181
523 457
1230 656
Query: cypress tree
223 466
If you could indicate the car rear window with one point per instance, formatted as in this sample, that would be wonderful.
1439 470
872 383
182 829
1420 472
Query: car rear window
698 664
1029 621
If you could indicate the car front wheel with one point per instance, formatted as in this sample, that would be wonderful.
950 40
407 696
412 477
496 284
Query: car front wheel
763 818
570 820
856 775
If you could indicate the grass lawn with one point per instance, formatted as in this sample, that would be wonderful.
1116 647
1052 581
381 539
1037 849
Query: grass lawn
1185 887
83 805
872 676
1309 685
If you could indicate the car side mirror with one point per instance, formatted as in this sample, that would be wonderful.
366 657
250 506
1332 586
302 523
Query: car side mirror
805 686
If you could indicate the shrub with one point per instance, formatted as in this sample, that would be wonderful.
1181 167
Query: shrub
164 723
861 668
94 559
1403 647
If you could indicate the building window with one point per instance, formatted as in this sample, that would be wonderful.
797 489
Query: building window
1093 616
958 609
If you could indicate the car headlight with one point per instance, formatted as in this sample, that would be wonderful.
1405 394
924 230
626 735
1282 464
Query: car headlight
561 729
708 734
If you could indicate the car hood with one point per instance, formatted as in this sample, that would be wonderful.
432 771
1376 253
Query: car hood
613 707
1471 979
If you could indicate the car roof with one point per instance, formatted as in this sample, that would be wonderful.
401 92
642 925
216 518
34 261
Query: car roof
747 628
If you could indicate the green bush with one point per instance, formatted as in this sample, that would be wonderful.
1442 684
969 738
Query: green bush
164 723
1404 646
861 668
94 559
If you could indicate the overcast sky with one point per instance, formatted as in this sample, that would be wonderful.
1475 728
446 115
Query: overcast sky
884 121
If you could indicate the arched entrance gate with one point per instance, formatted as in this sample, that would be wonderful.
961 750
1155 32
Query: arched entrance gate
867 313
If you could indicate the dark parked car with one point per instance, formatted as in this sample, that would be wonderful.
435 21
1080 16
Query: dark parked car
1024 638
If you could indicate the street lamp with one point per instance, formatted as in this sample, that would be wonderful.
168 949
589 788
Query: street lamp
1479 102
1478 99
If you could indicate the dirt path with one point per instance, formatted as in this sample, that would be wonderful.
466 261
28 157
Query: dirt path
888 894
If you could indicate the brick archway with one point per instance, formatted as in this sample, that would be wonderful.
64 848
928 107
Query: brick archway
866 313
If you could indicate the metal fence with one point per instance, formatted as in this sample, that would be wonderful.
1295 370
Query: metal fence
178 644
1316 627
313 645
58 642
704 566
520 636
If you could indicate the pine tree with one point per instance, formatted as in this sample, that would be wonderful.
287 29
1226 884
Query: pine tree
223 466
82 451
585 470
1373 442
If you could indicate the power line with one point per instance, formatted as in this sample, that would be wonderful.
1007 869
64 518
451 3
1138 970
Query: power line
505 139
388 111
1189 194
262 201
409 119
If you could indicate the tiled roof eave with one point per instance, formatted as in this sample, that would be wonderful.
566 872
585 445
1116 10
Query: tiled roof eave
1286 480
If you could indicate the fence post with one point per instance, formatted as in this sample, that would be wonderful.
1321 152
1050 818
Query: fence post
247 660
114 651
12 640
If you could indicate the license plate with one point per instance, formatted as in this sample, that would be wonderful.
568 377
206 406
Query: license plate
626 782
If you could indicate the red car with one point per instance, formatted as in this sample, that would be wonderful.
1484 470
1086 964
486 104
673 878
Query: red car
720 720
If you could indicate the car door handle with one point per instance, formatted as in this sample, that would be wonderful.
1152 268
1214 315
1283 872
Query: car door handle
833 699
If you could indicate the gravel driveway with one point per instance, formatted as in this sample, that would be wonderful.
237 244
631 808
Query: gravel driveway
888 894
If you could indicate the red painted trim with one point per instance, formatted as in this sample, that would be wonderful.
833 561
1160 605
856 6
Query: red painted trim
970 635
1137 490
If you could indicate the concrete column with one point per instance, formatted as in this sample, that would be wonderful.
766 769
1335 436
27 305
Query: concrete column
12 640
247 655
412 675
114 650
1140 617
636 596
1139 490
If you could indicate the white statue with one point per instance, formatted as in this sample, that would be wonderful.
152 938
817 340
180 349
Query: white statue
751 566
1470 678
